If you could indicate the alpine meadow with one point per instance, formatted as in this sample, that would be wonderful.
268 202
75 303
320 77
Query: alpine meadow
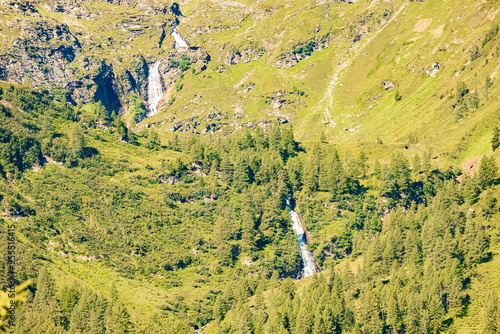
250 167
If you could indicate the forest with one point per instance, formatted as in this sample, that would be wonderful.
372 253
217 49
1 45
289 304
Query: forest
398 243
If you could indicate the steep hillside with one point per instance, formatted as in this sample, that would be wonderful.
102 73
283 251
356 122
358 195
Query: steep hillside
319 65
377 121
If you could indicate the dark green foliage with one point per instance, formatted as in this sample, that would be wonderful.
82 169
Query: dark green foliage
491 313
306 49
25 137
137 109
466 102
398 96
410 230
495 139
121 129
462 90
184 63
491 34
488 172
153 140
474 53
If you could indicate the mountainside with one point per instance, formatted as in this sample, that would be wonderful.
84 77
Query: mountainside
324 66
308 166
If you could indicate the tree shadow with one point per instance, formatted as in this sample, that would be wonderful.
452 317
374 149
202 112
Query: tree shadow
88 152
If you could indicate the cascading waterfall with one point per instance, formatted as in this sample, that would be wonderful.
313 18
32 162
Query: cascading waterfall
310 267
180 42
155 91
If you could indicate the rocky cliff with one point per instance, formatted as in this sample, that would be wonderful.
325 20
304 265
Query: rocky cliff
51 47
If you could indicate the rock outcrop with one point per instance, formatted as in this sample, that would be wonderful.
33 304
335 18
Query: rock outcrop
237 56
433 69
51 56
302 51
388 85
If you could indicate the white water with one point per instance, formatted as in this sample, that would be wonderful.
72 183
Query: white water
180 42
155 91
309 264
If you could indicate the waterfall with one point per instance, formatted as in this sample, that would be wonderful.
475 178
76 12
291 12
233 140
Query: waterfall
310 267
155 91
180 42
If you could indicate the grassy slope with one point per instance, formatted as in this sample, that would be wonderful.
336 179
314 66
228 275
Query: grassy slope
391 55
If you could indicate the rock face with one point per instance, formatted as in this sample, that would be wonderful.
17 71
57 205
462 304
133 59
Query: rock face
42 53
170 179
236 56
388 85
51 56
66 59
362 33
149 6
302 51
21 7
433 69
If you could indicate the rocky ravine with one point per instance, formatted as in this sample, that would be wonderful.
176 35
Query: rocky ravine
65 60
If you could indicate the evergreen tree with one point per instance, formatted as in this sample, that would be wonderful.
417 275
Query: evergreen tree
76 143
491 313
241 175
117 319
488 172
248 233
44 302
68 299
495 139
153 140
121 129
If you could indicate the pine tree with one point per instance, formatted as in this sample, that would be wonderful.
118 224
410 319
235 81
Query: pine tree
488 172
248 233
153 140
117 319
227 169
68 299
490 204
121 129
45 302
361 163
293 168
274 138
76 143
491 313
311 176
495 139
241 175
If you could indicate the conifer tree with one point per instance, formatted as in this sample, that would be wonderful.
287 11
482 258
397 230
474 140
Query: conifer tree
248 233
76 143
67 300
488 172
241 175
495 139
121 129
45 302
491 313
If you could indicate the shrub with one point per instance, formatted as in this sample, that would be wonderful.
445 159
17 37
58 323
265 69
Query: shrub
491 34
398 96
